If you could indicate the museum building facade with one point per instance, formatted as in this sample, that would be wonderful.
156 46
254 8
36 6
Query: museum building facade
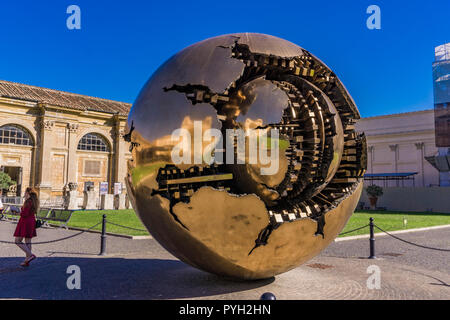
50 138
398 145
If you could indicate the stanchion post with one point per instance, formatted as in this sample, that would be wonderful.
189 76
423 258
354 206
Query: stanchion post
103 237
372 240
268 296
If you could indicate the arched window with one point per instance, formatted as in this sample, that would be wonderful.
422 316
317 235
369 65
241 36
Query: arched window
14 134
93 142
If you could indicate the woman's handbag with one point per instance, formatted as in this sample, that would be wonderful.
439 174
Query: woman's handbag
38 224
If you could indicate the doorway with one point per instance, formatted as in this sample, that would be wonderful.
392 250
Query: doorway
15 174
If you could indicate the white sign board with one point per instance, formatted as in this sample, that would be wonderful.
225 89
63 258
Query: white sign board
103 188
117 188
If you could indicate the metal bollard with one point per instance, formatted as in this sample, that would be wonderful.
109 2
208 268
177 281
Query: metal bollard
372 240
103 237
268 296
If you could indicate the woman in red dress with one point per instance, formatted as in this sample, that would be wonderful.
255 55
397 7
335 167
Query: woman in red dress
26 228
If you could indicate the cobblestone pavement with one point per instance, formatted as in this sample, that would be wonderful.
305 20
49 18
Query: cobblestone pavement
142 269
390 249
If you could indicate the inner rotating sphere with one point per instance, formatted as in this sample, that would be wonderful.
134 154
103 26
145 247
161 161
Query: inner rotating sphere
245 160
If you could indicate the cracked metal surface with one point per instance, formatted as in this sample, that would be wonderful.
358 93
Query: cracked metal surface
230 219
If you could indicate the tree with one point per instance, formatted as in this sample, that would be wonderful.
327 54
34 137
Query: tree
5 181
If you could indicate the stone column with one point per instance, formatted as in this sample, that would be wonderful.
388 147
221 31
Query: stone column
420 146
371 158
72 154
33 172
45 170
120 147
394 149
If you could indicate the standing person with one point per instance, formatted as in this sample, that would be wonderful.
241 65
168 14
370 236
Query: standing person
26 228
1 207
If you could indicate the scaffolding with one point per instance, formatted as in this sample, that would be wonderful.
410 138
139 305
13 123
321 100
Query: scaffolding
441 85
394 176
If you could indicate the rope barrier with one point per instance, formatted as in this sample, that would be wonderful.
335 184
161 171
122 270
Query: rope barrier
57 240
341 234
411 243
119 225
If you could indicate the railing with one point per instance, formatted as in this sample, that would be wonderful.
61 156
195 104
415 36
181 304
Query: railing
55 202
104 222
11 200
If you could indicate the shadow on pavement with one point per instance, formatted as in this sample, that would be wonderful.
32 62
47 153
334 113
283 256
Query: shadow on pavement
113 278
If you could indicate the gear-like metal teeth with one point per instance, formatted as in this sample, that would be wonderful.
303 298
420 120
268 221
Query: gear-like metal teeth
282 216
179 185
313 147
327 81
307 123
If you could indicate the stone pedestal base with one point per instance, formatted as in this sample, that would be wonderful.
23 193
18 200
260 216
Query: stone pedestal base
119 201
107 202
71 200
127 202
45 192
90 200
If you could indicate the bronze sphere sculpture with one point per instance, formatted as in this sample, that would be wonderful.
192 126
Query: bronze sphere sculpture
245 160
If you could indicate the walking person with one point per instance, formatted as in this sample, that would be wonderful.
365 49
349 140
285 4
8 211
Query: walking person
26 228
1 207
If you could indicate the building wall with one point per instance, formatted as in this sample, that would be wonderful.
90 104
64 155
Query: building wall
54 160
18 156
15 155
399 143
102 159
420 199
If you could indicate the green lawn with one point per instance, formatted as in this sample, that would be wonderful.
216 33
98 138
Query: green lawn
391 221
86 219
387 220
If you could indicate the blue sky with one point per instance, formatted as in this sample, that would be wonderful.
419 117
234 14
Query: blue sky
121 43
